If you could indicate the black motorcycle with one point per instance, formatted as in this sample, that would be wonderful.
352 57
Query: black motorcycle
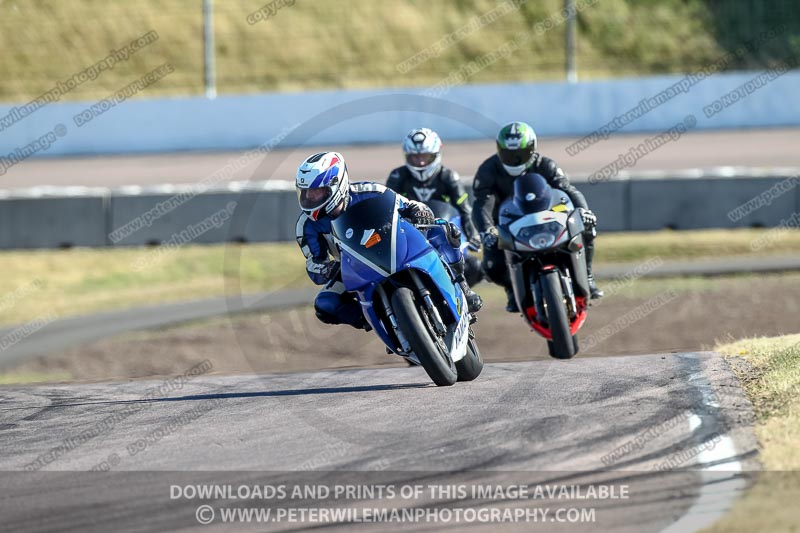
542 235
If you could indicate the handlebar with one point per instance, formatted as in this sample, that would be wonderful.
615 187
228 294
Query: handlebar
438 222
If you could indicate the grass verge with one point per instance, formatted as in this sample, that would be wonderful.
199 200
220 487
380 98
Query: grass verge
701 244
68 282
772 383
24 378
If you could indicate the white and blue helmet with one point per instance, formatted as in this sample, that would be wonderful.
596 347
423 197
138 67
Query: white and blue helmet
323 187
422 147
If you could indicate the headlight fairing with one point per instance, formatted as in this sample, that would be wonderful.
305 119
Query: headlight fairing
542 240
540 236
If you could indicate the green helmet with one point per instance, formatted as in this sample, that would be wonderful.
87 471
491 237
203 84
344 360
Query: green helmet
516 147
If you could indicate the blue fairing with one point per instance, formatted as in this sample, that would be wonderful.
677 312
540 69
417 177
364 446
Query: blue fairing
363 269
356 275
430 264
410 243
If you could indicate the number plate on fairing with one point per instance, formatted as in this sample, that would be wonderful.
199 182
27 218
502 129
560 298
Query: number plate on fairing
458 346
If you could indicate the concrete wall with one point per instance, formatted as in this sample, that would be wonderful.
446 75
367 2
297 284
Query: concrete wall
267 212
706 203
211 217
374 116
609 201
53 222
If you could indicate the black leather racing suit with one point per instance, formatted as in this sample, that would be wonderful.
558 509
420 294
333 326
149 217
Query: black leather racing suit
493 185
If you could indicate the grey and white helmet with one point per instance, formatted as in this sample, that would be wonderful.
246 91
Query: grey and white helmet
422 147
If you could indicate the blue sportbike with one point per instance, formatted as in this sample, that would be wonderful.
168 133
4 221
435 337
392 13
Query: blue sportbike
406 290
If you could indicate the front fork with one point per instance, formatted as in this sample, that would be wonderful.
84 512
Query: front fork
405 347
569 293
566 289
516 273
438 325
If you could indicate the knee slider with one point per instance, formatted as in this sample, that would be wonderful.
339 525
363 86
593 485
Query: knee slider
326 305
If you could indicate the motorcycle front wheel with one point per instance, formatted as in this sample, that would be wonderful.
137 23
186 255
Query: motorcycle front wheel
561 346
418 329
470 366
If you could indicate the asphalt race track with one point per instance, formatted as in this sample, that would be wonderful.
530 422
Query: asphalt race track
771 148
543 422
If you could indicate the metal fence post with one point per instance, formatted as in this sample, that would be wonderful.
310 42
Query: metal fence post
569 44
209 74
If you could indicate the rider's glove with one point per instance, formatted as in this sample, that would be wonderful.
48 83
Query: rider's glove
489 238
419 213
589 219
323 269
453 233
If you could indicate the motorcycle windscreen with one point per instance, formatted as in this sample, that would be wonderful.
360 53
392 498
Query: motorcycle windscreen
447 212
366 235
532 194
442 209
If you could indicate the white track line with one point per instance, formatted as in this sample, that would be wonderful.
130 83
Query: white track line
719 469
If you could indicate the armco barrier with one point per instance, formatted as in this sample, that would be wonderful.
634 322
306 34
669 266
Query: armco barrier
267 211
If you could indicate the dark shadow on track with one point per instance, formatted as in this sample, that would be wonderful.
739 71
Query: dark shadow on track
262 394
298 392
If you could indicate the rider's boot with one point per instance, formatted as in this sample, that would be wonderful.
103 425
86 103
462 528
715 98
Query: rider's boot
361 323
593 289
474 302
511 306
596 293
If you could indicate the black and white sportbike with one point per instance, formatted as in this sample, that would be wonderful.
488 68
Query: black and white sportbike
542 235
